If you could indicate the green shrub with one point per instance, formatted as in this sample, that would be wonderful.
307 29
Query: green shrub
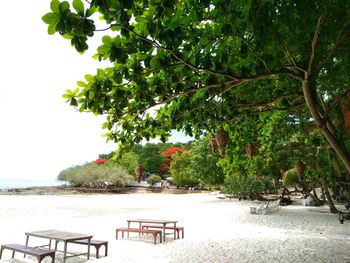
153 179
181 170
119 177
246 185
93 175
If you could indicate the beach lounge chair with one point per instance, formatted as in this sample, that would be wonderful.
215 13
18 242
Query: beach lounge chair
268 207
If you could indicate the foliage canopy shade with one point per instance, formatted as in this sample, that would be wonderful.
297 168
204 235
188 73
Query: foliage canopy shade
199 65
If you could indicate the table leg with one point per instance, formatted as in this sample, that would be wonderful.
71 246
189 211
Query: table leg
65 251
128 231
88 253
164 232
27 241
174 231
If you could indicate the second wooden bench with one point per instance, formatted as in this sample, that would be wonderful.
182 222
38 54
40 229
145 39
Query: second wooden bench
39 253
95 243
141 231
178 229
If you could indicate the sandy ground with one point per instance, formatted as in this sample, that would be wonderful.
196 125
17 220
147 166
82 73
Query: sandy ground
216 229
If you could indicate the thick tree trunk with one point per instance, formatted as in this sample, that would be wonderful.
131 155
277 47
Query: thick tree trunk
331 205
323 196
315 195
324 125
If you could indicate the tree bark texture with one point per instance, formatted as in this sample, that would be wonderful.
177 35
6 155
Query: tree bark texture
315 195
330 202
324 125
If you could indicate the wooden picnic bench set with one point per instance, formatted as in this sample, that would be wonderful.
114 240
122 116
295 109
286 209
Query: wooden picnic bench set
40 252
155 227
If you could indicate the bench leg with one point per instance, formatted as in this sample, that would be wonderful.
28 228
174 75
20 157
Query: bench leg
117 231
13 254
160 237
88 247
178 230
65 252
1 252
27 241
97 250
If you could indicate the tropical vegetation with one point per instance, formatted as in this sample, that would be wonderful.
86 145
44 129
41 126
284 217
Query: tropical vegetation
271 74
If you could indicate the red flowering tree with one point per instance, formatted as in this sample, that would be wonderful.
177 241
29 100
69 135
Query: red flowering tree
100 161
164 168
168 153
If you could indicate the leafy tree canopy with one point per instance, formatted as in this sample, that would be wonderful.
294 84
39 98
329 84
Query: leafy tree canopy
181 170
204 164
196 65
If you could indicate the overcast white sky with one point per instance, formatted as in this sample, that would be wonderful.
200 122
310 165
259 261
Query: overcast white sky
40 134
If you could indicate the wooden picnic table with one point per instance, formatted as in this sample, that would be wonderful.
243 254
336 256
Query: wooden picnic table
62 236
161 222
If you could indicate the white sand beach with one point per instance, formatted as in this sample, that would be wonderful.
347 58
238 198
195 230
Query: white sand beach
216 230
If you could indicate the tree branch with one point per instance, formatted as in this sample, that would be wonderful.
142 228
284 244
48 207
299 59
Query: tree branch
258 111
262 104
292 61
188 64
234 78
313 44
104 29
331 54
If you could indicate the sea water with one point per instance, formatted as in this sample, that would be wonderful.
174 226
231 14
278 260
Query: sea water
23 183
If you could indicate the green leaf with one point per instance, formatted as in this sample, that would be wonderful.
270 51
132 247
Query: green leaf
51 29
154 62
90 11
50 18
155 2
89 77
67 96
107 40
81 84
79 7
63 6
54 5
67 36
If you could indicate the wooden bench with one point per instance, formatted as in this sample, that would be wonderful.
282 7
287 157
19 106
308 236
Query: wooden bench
141 231
95 243
178 229
39 253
